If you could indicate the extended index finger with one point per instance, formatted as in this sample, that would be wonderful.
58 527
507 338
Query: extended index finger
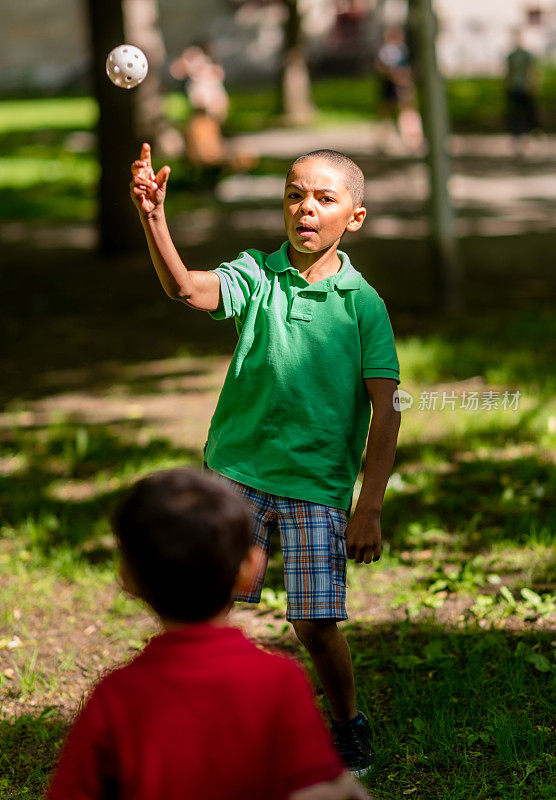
146 154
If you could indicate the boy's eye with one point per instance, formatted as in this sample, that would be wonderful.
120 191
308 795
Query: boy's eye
293 195
326 199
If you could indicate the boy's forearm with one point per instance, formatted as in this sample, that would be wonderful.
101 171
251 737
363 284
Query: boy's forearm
171 270
381 450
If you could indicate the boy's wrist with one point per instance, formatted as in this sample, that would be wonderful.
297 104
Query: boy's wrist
370 508
152 217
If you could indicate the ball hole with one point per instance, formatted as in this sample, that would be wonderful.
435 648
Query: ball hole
116 68
129 66
128 78
135 55
124 50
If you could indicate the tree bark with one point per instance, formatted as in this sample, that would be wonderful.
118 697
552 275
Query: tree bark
448 274
119 228
297 105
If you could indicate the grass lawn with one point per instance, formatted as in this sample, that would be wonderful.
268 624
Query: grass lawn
452 632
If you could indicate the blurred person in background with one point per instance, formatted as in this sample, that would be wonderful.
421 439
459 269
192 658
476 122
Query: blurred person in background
397 92
521 82
204 81
204 86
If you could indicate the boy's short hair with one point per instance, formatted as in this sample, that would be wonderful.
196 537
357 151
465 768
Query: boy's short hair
182 536
355 180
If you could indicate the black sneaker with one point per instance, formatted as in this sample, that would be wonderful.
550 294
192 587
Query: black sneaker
352 740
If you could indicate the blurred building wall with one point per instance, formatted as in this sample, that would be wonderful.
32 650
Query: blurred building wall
476 35
44 43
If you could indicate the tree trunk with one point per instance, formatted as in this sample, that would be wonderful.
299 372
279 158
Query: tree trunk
297 105
119 228
448 275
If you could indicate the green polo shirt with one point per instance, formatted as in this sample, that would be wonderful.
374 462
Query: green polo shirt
293 415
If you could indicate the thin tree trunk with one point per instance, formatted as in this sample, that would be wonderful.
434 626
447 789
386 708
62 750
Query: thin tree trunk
448 274
119 229
297 105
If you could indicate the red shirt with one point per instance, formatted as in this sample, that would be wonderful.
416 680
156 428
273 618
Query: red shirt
200 713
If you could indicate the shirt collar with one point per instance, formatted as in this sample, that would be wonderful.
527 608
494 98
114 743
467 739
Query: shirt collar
193 634
346 278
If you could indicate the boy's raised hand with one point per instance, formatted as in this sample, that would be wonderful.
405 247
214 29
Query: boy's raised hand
148 191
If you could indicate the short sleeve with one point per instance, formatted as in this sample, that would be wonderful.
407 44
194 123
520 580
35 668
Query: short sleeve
84 770
238 281
378 350
304 749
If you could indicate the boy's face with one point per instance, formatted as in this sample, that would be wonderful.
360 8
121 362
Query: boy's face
318 207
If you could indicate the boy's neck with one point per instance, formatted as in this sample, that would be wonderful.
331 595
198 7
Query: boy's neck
220 619
316 266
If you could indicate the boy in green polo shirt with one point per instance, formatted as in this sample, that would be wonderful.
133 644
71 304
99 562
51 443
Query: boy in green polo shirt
315 351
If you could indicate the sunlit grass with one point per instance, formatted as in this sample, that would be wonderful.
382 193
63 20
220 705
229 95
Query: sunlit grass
64 113
21 173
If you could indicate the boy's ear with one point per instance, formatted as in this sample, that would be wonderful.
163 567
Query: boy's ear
357 218
127 581
247 571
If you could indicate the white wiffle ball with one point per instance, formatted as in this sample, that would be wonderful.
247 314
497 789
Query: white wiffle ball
127 66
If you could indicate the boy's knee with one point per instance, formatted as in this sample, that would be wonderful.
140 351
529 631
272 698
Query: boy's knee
314 633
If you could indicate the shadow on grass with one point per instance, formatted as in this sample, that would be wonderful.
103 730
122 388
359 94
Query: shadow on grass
85 311
69 309
72 479
476 499
72 473
454 714
63 199
28 749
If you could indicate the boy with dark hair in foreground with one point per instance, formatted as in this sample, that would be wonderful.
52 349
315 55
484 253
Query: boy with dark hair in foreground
315 350
201 713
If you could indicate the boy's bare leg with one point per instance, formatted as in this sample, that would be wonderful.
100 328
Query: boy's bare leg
331 657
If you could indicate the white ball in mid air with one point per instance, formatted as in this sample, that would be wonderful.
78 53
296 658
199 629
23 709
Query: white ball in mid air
127 66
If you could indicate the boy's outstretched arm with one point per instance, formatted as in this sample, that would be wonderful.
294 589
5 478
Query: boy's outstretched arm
363 534
197 288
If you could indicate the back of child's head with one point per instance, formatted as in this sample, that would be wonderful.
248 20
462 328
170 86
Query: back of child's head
182 536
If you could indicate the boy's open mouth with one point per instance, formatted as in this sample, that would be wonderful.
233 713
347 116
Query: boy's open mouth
305 230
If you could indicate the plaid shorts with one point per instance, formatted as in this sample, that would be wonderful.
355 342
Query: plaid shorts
314 548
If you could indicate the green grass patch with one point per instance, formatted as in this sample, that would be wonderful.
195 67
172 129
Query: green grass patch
457 710
479 104
456 714
59 113
65 168
29 746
